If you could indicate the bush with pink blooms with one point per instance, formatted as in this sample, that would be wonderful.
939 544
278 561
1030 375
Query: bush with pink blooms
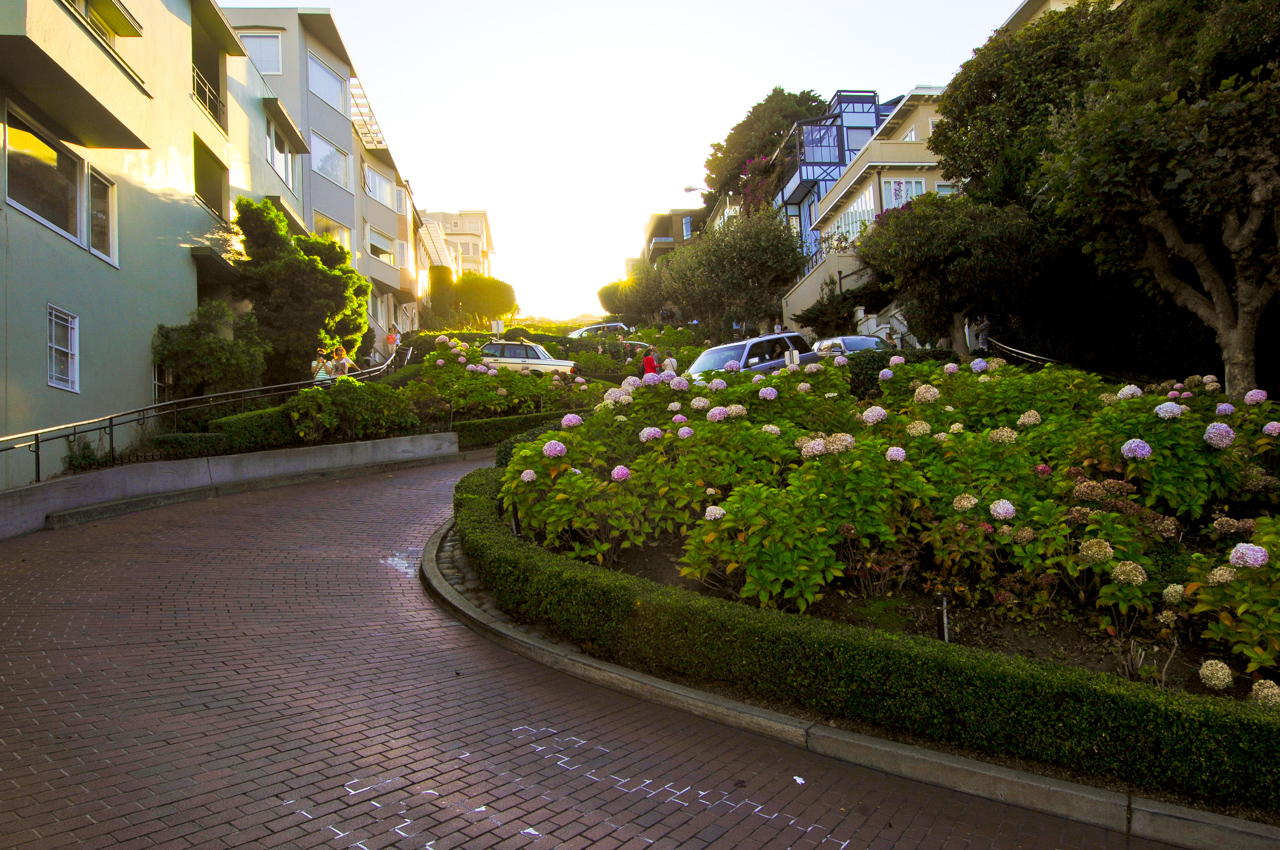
812 493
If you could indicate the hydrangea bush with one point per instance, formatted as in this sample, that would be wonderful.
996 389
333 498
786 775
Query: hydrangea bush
1050 494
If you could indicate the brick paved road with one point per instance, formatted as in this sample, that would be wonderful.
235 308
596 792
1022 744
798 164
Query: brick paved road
266 670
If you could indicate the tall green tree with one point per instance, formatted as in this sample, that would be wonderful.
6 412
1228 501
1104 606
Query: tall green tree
213 352
487 298
757 135
305 293
737 272
950 258
443 298
1173 164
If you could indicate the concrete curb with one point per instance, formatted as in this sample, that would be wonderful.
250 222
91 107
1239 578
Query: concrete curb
1121 813
89 513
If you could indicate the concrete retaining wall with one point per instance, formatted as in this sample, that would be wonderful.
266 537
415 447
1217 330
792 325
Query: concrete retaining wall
30 508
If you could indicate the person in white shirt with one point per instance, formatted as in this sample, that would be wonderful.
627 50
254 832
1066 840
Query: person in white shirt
669 364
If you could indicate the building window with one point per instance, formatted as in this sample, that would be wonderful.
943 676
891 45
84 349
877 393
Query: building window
933 125
326 84
379 187
856 217
212 186
910 135
821 144
280 155
325 226
400 200
944 188
44 178
856 139
264 51
688 227
64 350
102 216
381 246
328 160
402 254
898 192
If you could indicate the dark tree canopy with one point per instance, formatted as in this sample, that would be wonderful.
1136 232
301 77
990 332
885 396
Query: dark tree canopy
304 292
205 358
444 300
484 297
756 135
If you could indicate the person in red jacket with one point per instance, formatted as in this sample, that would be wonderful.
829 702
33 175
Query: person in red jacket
650 363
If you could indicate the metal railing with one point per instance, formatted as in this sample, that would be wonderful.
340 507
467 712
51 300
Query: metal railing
107 426
1041 360
208 96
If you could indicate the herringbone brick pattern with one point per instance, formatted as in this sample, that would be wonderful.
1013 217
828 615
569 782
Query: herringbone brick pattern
265 670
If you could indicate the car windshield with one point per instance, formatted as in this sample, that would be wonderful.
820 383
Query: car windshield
541 352
858 343
715 358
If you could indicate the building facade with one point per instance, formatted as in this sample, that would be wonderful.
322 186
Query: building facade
894 166
352 189
666 232
129 127
468 235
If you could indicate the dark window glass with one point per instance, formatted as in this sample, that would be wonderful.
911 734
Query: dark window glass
44 179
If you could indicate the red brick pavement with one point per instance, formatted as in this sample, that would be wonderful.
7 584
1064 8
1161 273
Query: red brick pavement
264 670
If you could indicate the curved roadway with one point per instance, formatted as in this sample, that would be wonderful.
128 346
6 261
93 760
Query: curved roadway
265 670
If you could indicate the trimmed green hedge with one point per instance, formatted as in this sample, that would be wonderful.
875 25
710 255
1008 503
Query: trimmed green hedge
181 446
508 446
1207 747
473 433
257 430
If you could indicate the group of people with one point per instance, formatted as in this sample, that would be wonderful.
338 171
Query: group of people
652 364
323 367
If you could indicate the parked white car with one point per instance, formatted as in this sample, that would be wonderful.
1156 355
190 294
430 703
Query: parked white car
524 355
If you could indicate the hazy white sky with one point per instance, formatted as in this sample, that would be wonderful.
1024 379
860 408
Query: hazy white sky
572 122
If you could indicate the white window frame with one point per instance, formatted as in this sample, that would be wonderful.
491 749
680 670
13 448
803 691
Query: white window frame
943 184
346 184
290 156
888 181
51 140
112 243
933 125
402 254
315 228
279 50
910 135
400 200
346 94
379 180
369 230
52 313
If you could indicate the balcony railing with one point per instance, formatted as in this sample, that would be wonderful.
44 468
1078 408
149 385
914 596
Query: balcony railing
207 96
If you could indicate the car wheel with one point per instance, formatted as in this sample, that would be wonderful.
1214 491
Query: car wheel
537 373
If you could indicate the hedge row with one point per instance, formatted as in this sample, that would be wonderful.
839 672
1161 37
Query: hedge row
865 366
487 432
257 430
1210 748
507 447
182 446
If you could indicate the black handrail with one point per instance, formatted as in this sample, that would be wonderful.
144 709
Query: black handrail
1042 360
108 423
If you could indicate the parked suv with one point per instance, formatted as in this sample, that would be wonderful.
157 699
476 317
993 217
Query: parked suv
607 329
758 354
524 355
836 345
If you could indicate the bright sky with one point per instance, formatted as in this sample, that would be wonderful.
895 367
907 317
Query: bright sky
571 122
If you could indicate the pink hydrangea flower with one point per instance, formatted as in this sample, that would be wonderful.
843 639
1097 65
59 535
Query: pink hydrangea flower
1174 394
896 454
1224 409
650 433
679 419
1003 509
716 414
1042 469
1219 435
579 380
757 378
679 384
1136 449
840 360
771 429
1186 395
1169 410
651 380
768 393
462 360
874 414
463 346
620 473
571 420
492 373
716 384
667 377
1271 429
439 362
978 365
733 366
793 368
1248 555
528 476
885 374
714 512
897 360
951 368
685 433
554 448
1255 396
803 388
442 340
813 368
700 403
1177 386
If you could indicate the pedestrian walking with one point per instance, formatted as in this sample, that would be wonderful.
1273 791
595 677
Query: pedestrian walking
669 364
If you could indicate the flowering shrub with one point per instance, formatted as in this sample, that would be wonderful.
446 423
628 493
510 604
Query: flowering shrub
1085 497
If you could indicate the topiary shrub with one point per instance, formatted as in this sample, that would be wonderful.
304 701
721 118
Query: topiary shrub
257 430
